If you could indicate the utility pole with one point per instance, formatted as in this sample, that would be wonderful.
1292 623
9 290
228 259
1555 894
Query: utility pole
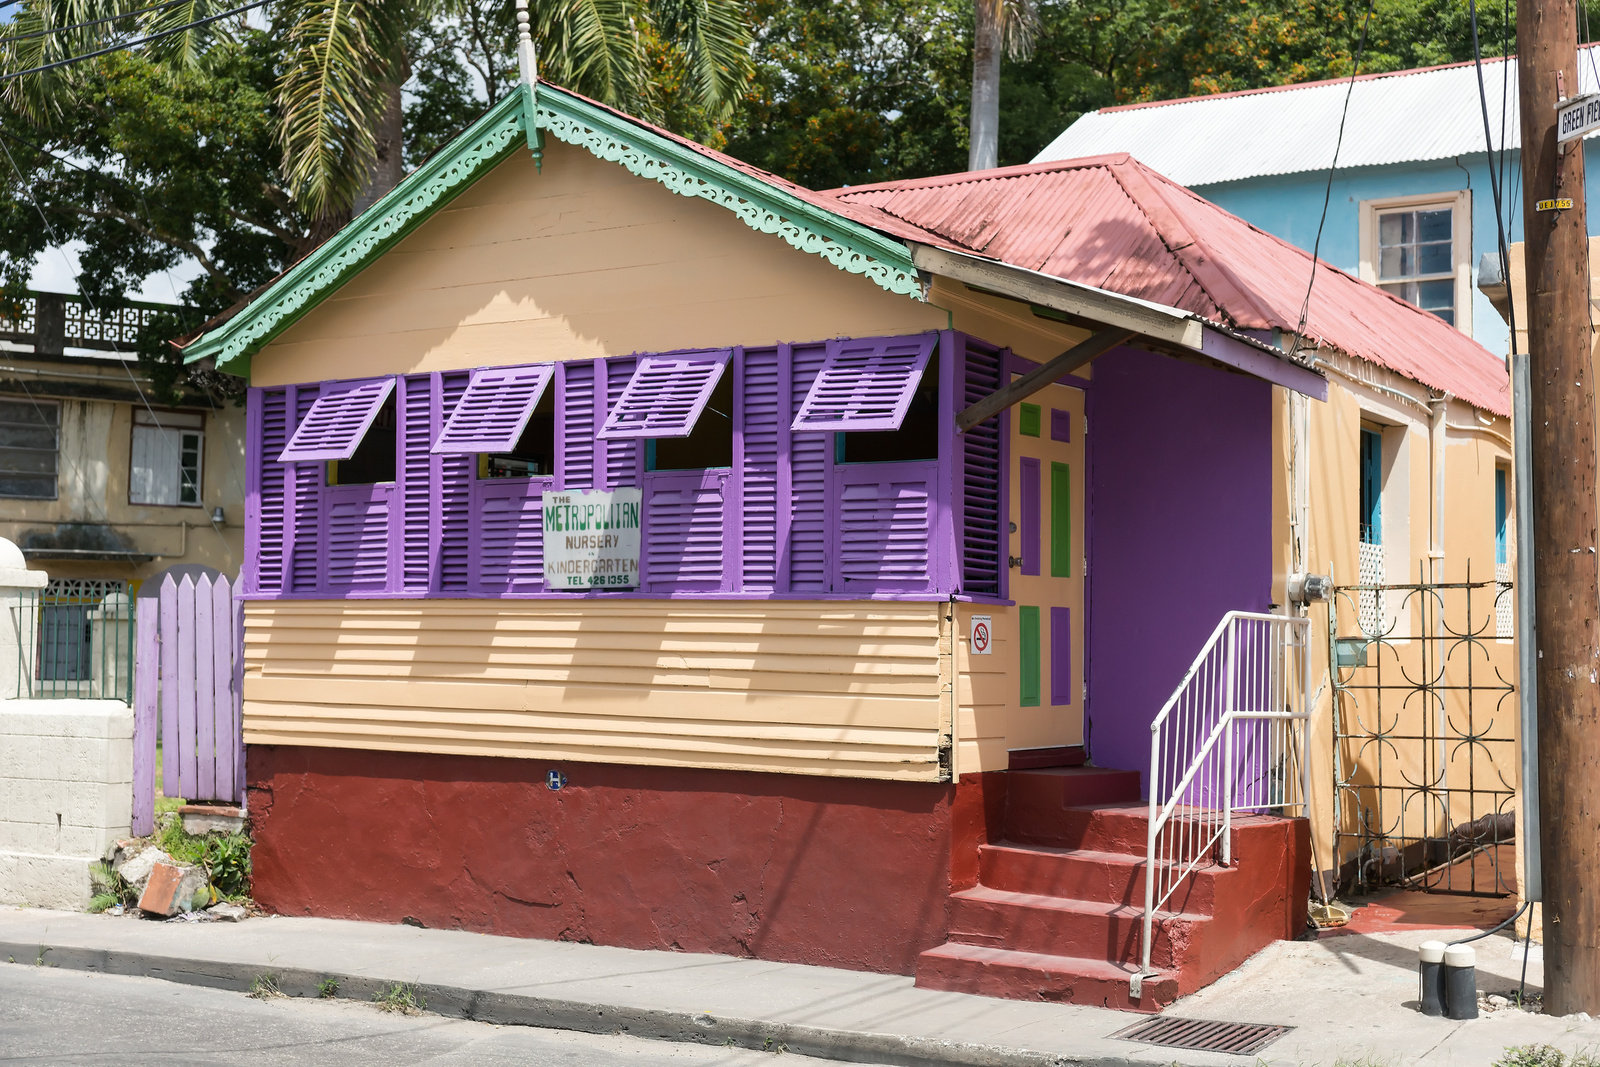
1567 520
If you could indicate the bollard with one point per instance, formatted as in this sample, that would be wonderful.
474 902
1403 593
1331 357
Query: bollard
1430 974
1460 983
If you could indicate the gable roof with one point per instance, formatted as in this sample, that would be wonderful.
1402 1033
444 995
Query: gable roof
1114 223
810 221
1290 129
894 254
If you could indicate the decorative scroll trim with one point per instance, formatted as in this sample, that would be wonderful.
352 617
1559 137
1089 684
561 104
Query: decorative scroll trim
765 209
305 284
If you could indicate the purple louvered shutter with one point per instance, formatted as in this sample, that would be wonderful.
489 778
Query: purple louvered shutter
575 451
494 411
685 532
666 394
884 528
509 536
455 497
337 422
357 537
305 548
810 460
417 481
617 459
981 465
764 428
265 526
867 383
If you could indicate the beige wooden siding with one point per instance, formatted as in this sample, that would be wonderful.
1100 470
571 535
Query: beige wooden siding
577 261
813 688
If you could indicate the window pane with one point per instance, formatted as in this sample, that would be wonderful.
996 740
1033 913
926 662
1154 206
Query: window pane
26 461
1433 259
35 488
1433 225
1436 296
1390 229
25 412
37 437
1389 264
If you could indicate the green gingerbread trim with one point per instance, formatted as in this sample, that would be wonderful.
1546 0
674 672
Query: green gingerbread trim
766 208
761 206
303 286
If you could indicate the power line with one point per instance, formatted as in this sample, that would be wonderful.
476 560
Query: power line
1494 179
136 42
1327 195
5 39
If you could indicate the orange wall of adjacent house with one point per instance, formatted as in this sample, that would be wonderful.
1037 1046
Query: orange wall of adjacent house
814 688
580 260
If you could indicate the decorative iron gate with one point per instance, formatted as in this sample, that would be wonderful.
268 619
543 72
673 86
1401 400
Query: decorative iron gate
1424 724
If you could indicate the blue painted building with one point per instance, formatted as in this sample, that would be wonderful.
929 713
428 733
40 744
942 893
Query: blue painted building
1410 207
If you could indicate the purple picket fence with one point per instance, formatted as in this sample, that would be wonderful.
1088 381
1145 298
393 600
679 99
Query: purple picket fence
188 671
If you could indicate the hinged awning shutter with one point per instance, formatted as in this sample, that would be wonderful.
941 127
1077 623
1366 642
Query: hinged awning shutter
494 411
337 421
666 394
867 384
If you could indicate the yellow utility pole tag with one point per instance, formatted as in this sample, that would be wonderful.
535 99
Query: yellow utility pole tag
1563 204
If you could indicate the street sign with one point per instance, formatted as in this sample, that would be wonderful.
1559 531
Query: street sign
982 635
1577 117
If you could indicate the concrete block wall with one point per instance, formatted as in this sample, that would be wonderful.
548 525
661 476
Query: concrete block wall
66 795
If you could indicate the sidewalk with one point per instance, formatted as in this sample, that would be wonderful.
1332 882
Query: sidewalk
1347 996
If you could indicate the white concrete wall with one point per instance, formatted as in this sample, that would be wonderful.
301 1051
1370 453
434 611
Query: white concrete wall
66 795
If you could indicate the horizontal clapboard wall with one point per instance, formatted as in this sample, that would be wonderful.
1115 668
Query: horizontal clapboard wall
786 519
800 687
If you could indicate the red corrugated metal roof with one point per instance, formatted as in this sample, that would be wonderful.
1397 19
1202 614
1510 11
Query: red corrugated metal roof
1112 222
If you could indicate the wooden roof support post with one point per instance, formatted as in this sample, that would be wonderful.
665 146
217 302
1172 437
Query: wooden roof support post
1097 344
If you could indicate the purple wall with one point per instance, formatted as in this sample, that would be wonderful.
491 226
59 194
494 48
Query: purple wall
1180 532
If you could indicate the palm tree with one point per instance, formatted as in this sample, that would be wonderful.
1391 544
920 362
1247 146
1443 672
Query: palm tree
996 24
344 61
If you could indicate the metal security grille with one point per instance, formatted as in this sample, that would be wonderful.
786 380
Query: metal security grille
1424 721
75 639
1505 606
1372 600
1240 1039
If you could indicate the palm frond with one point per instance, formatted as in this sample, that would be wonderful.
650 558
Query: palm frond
339 58
715 38
591 46
186 48
39 34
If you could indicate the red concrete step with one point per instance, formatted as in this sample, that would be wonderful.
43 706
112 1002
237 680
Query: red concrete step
1083 874
1035 799
1059 926
998 972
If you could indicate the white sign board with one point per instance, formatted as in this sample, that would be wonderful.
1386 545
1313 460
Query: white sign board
591 539
1577 117
982 635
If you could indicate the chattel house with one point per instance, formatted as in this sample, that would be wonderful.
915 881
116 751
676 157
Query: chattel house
876 690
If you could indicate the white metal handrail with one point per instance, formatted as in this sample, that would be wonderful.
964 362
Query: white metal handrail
1232 737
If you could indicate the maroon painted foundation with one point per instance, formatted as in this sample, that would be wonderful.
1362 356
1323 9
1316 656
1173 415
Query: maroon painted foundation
833 871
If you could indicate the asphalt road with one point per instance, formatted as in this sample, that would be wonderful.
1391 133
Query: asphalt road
61 1017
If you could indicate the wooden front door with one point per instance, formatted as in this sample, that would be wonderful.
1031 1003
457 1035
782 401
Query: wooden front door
1047 566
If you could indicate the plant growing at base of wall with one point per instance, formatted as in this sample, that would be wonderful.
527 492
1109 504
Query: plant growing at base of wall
111 889
400 997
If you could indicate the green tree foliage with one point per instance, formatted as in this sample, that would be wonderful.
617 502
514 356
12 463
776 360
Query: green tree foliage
857 91
155 165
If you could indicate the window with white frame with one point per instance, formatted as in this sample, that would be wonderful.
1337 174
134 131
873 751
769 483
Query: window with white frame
168 450
30 443
1420 250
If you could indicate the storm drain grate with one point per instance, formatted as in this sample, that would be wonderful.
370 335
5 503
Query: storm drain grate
1241 1039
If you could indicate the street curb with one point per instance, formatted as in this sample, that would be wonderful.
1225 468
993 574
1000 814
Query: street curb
513 1009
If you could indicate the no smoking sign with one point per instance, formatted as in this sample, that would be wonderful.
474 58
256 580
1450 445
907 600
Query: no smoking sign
982 634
